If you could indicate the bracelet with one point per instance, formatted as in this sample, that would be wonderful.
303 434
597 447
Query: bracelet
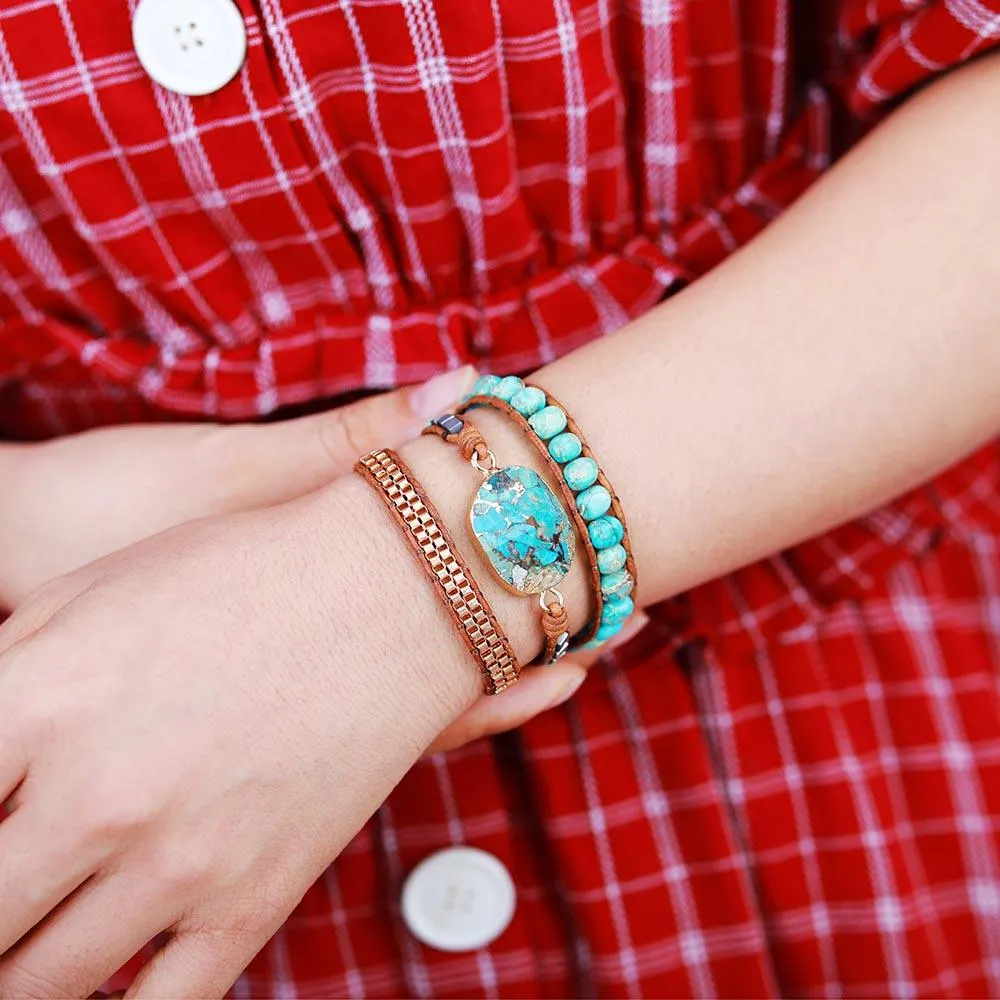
590 496
520 528
422 526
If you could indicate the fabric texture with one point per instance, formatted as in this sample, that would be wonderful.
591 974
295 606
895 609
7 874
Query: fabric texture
789 783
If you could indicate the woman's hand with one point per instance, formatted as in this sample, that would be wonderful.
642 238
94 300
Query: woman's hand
76 499
538 689
195 727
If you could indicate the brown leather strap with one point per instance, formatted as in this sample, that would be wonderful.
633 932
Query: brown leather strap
590 629
423 529
555 624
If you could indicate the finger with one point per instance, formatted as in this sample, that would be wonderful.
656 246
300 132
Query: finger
86 940
538 690
33 614
41 863
13 768
39 609
310 451
196 965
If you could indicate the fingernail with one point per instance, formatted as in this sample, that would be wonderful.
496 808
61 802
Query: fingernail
568 690
440 393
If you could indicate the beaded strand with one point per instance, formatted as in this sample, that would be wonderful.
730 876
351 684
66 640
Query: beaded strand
547 423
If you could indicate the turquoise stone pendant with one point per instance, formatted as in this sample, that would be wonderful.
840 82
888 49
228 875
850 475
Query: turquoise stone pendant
522 529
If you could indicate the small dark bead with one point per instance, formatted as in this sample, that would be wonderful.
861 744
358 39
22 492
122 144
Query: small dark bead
449 423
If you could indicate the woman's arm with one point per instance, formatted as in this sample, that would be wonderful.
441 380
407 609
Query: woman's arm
846 355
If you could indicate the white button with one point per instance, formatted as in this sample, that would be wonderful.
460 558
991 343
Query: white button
190 46
458 899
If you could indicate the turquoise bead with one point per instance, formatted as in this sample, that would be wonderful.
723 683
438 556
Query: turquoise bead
565 447
617 609
615 584
580 473
528 401
593 502
548 422
507 388
606 632
606 531
484 385
611 560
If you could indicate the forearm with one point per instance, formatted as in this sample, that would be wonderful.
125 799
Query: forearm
846 355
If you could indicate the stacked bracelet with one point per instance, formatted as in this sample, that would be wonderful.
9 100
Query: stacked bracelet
422 527
520 527
597 511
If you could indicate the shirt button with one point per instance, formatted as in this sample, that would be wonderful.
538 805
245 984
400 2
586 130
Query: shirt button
191 47
458 899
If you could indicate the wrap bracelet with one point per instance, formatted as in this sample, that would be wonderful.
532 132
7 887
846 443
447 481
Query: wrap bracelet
423 529
596 509
520 527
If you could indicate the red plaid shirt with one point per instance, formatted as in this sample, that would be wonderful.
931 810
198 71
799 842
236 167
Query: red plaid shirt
790 782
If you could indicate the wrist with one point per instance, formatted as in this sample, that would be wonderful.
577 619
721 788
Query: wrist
391 624
451 483
408 635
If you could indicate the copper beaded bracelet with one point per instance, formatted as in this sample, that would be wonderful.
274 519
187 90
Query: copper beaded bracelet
421 525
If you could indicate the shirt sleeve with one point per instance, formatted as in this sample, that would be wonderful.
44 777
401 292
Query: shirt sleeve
887 48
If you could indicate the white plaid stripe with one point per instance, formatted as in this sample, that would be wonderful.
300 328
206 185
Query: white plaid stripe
438 88
655 805
886 902
596 819
662 151
417 271
182 277
24 306
418 980
159 323
793 779
977 17
776 112
904 831
21 225
575 105
979 843
358 216
271 305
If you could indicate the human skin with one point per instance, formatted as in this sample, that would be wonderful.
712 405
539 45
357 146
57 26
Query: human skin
846 355
75 499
